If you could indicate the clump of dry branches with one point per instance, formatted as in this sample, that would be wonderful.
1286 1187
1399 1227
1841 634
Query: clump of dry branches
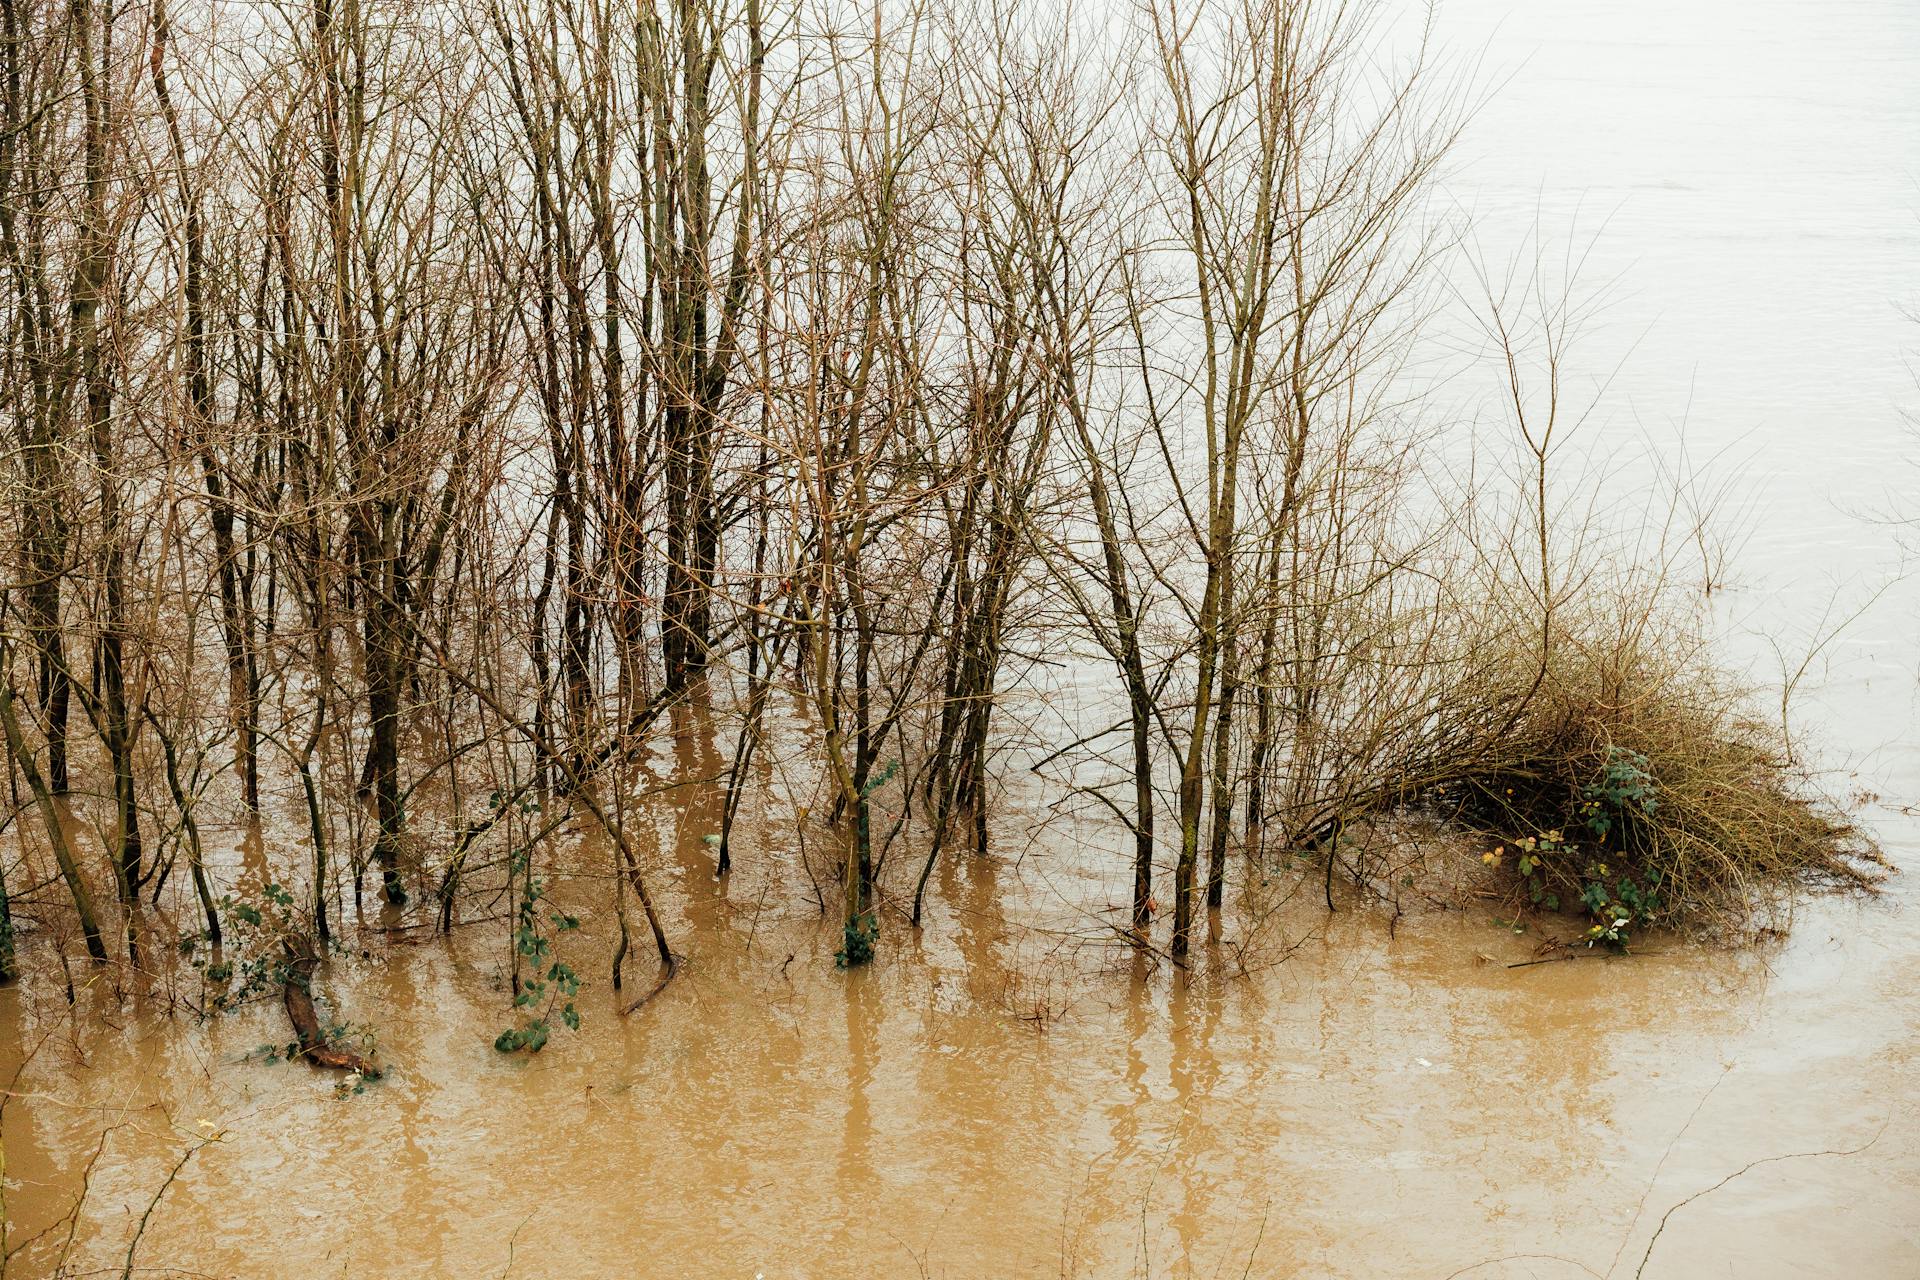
1595 726
1634 757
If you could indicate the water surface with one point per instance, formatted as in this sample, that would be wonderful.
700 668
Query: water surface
1010 1095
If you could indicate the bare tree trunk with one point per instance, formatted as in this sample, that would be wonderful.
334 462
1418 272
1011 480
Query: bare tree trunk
1223 783
235 626
49 813
184 803
27 184
116 725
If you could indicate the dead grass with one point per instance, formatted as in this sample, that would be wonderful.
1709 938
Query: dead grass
1635 746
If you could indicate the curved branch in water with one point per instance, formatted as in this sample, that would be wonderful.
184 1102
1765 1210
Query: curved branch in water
673 967
297 992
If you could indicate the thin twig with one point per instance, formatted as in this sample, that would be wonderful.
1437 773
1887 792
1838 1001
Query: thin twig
1791 1155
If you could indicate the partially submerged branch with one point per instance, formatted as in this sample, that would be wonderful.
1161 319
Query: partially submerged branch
316 1045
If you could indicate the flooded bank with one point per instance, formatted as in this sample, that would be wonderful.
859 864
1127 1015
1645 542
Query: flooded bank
1382 1098
1351 1094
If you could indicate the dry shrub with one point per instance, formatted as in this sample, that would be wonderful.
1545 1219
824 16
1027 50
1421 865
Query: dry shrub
1633 778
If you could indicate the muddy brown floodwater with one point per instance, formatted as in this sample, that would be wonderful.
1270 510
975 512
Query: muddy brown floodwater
1002 1100
1006 1094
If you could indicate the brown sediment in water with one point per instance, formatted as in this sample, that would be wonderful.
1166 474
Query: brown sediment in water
1008 1091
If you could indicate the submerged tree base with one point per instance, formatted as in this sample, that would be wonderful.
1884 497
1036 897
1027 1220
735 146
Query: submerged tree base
316 1045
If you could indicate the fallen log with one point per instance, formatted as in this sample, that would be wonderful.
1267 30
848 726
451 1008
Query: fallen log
297 992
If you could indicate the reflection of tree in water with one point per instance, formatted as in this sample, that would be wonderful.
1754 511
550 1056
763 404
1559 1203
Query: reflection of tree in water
858 1168
1160 1174
688 812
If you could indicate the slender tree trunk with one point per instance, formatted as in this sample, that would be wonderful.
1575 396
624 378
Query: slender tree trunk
235 629
1223 783
89 291
190 829
50 817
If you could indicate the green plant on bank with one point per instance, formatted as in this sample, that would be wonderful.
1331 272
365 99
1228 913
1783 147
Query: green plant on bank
1622 796
257 958
553 990
1625 787
1616 901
